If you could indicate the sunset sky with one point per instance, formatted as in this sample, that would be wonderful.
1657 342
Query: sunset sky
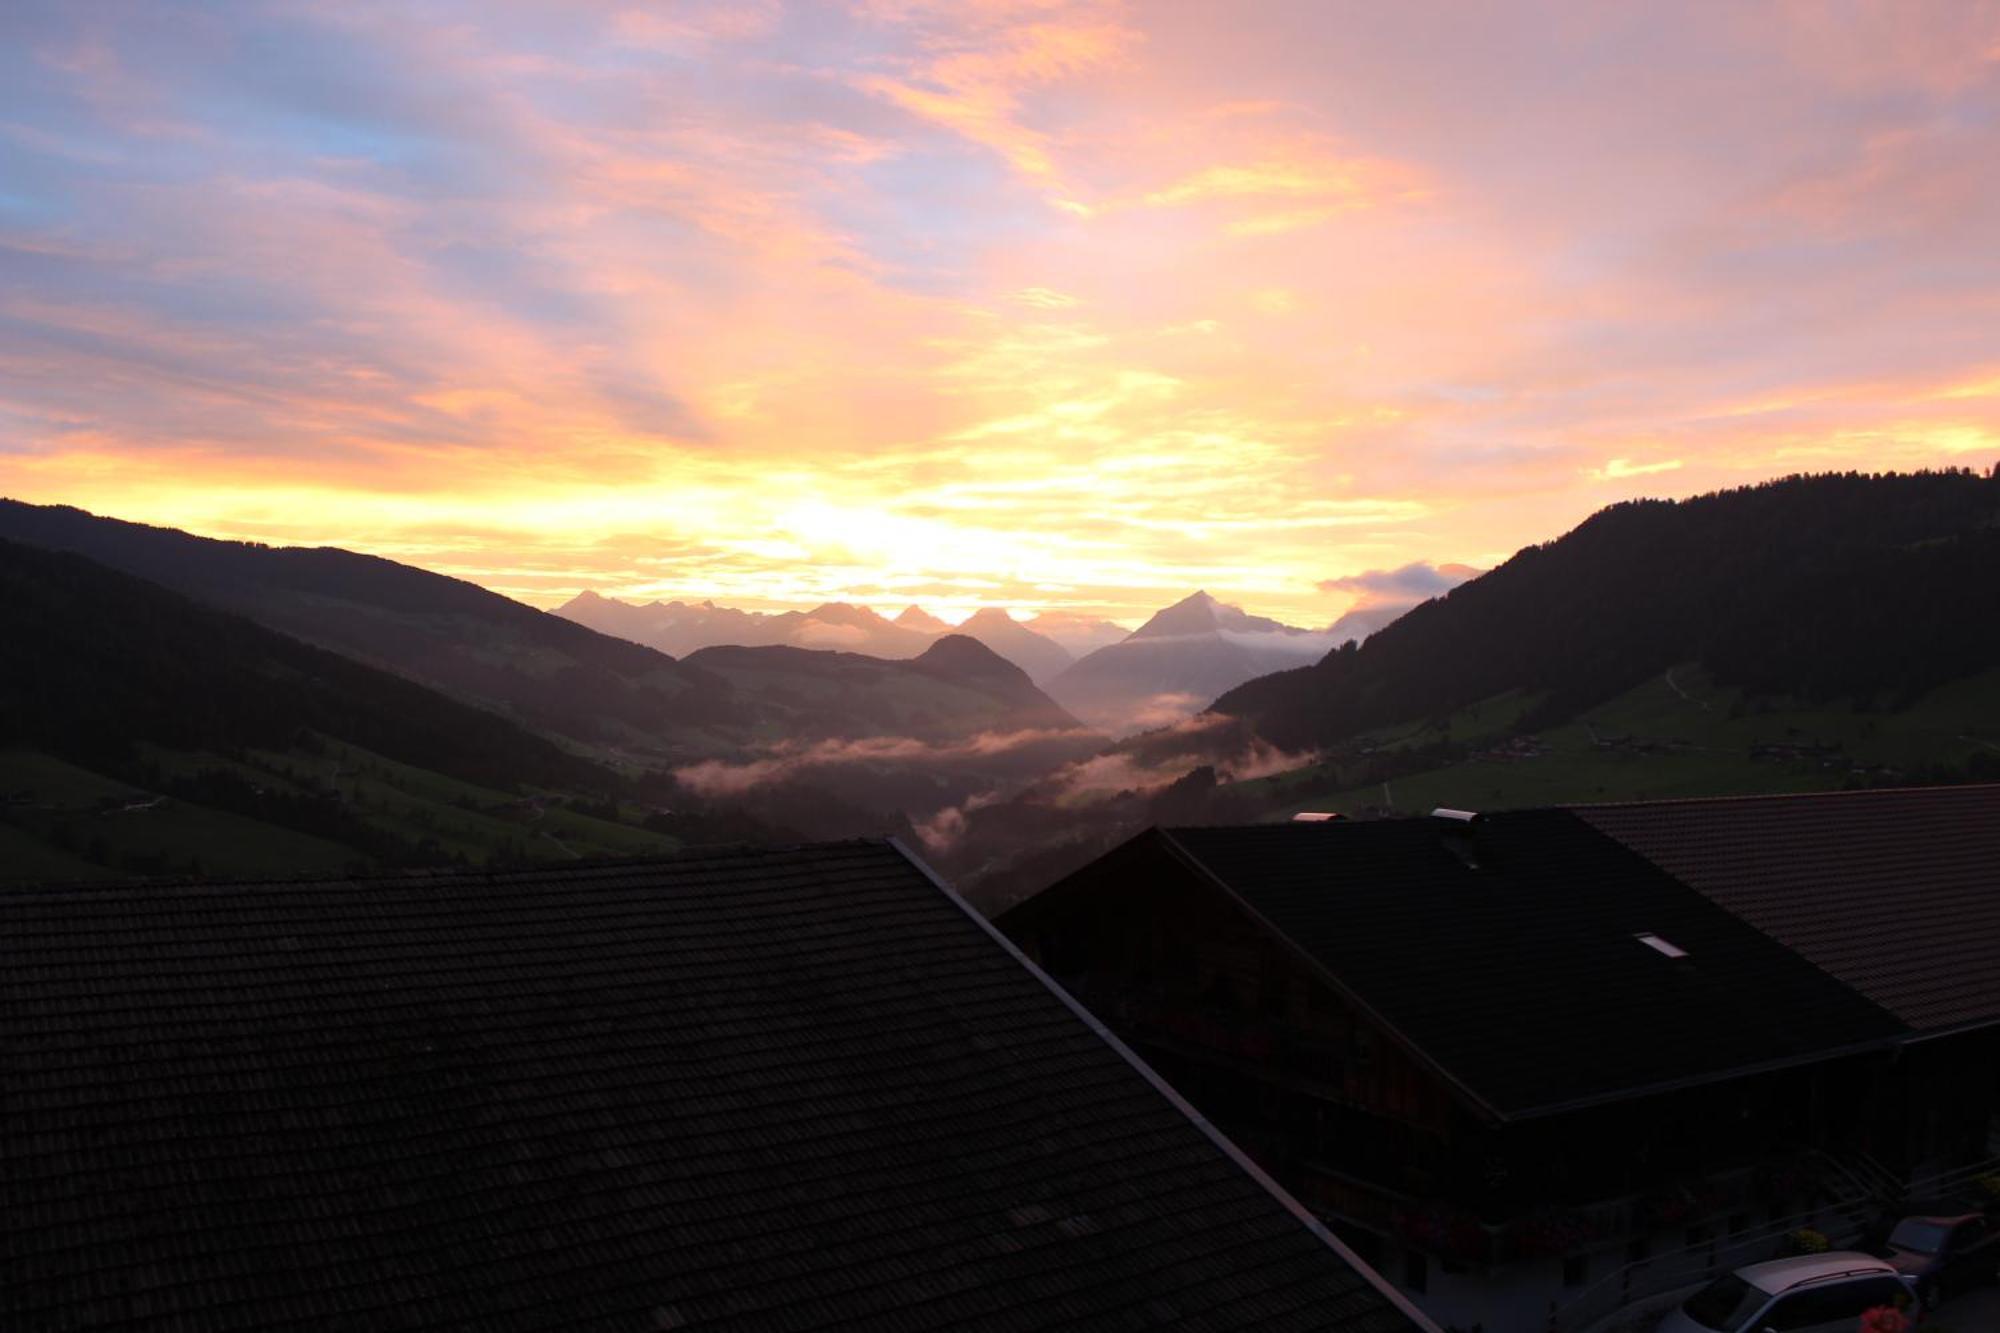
972 302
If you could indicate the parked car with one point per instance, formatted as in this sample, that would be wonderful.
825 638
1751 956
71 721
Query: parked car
1944 1255
1814 1293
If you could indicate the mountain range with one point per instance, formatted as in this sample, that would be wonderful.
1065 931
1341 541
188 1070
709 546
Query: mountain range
171 702
1804 634
141 732
681 628
1120 682
600 694
1177 662
776 739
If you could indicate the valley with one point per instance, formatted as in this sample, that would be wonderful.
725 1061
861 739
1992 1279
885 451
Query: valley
447 725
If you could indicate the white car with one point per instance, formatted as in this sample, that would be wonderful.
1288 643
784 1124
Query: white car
1815 1293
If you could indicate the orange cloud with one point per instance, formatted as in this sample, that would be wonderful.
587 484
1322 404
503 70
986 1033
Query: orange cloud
1019 301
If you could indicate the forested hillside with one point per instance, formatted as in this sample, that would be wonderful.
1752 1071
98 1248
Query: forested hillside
549 673
1872 589
143 733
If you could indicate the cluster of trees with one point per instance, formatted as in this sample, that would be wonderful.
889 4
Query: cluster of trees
92 662
1869 588
554 674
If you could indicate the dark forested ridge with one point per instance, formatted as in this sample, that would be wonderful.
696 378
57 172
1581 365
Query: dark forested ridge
550 673
955 688
622 702
141 732
92 661
1873 589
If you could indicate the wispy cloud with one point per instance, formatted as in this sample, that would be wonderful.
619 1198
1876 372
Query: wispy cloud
1406 583
1617 469
1037 302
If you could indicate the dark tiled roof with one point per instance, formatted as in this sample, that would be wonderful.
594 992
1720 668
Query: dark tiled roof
1897 893
748 1090
1512 964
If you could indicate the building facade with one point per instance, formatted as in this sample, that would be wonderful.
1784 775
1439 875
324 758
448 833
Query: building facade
1525 1070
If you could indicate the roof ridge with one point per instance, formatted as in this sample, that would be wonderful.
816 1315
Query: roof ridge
1215 1136
404 875
1744 798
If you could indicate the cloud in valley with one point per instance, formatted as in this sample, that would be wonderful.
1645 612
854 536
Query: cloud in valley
792 759
1139 767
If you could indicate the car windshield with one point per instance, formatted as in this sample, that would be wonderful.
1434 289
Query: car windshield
1920 1236
1724 1304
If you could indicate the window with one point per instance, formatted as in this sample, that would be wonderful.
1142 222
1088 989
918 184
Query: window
1723 1304
1858 1297
1792 1312
1838 1304
1919 1235
1658 945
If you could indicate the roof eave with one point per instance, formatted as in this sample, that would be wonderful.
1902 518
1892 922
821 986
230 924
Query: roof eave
1222 1142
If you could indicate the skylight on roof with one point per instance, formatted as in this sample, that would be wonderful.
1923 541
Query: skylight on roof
1667 947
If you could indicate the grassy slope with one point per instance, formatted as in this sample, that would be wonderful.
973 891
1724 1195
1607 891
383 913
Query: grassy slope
1669 737
67 822
86 825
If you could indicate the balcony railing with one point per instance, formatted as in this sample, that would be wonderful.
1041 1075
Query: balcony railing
1843 1223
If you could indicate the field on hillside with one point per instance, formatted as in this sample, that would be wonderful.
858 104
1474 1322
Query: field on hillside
1676 735
298 812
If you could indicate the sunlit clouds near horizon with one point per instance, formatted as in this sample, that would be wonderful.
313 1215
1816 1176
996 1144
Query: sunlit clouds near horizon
982 302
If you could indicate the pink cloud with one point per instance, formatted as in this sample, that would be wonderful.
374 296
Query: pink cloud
1036 303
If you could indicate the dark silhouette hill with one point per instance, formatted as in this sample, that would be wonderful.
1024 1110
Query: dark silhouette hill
1872 589
1037 654
955 689
549 673
92 661
144 733
611 697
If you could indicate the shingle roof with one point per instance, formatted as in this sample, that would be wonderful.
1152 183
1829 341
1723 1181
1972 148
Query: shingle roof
748 1090
1506 954
1897 893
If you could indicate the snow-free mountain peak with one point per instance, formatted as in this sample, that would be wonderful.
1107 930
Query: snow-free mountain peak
1174 664
1201 613
1037 654
914 617
846 613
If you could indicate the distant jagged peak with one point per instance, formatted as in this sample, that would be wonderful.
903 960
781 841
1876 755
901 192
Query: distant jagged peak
846 613
1079 634
914 617
995 616
590 597
1201 613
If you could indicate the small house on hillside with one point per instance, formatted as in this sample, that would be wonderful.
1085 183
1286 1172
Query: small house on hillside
733 1090
1534 1064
